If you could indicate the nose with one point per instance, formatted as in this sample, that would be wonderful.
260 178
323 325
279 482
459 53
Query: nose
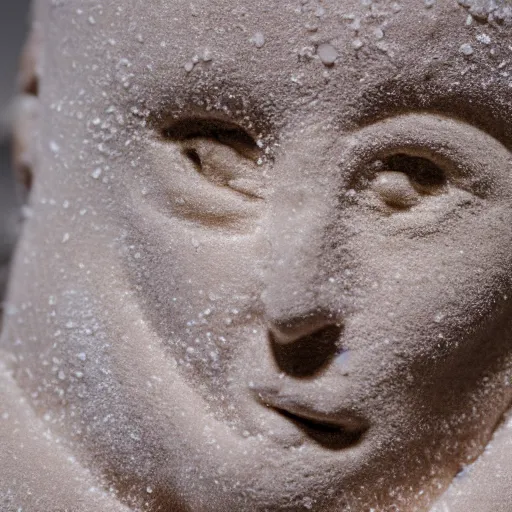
301 303
301 298
302 346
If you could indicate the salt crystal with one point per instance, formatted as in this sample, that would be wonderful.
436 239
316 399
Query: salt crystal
308 503
96 173
378 33
466 49
258 39
327 54
357 44
439 317
483 38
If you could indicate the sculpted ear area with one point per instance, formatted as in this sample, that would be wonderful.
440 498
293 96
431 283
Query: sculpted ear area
27 113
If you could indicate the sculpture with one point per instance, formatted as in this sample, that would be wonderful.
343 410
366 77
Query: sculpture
268 263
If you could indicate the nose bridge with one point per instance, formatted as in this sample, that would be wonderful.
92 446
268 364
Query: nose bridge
302 212
297 231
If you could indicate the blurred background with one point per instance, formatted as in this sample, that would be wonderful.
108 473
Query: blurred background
14 24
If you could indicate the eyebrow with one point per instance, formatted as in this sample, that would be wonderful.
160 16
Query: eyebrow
487 107
241 101
479 99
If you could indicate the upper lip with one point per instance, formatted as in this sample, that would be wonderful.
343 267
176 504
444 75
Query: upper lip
308 410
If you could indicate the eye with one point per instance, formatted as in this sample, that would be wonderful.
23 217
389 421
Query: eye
225 154
401 180
427 168
215 130
423 174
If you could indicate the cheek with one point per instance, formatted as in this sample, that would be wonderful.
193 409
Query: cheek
191 279
432 325
439 294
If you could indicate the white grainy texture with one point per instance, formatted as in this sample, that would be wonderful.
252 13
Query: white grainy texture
274 279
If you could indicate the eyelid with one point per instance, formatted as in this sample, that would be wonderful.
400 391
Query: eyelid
181 193
222 152
458 148
225 132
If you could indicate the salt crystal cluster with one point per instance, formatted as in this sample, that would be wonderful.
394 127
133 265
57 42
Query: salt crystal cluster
491 11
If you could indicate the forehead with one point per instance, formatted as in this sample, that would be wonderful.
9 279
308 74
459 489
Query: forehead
386 54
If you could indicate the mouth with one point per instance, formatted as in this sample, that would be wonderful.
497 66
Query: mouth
334 430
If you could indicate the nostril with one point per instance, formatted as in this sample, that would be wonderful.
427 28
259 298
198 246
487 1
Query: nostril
310 354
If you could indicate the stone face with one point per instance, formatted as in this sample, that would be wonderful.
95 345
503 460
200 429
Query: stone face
273 275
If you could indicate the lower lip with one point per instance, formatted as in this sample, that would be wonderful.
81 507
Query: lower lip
329 436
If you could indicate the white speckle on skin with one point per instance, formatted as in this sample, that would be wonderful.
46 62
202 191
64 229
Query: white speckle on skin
327 53
357 44
308 503
258 39
466 49
483 38
320 11
378 33
439 317
96 173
